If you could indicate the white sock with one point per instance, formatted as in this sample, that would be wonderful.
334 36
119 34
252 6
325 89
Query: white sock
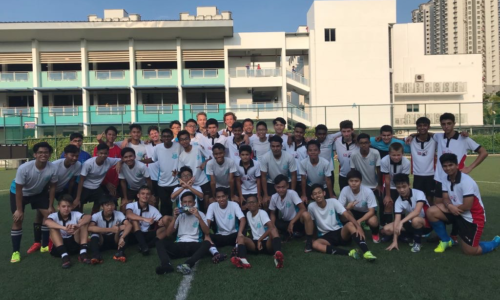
213 250
64 254
82 251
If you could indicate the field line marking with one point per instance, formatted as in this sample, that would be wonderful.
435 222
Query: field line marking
185 285
1 191
494 182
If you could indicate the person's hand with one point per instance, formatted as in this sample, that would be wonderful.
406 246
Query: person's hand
147 142
394 245
18 216
408 141
378 139
118 167
51 209
241 200
388 201
397 229
183 184
235 198
121 242
111 188
190 182
224 132
466 170
304 199
194 211
99 136
246 140
76 203
289 141
259 200
454 210
116 229
290 228
360 233
149 220
176 212
464 134
202 166
351 205
174 173
266 199
259 245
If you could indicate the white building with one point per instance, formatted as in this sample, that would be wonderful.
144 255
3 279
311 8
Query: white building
349 63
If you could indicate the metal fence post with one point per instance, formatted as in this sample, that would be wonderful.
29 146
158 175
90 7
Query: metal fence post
325 117
460 116
55 131
359 118
22 127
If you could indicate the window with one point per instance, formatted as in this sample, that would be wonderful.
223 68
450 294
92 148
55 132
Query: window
412 108
329 34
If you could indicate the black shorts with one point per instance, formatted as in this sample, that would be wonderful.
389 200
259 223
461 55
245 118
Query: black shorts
38 201
409 229
264 246
91 195
357 214
206 189
224 240
438 190
108 242
282 226
342 182
270 189
335 238
470 233
132 195
426 184
154 183
149 236
72 247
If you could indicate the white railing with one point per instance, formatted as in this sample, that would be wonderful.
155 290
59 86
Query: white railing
14 76
258 106
296 110
110 110
62 75
297 77
17 111
253 72
63 111
411 118
157 108
208 108
203 73
110 75
156 74
430 87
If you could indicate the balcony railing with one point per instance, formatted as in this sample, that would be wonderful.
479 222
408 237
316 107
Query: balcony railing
258 106
297 77
62 75
430 87
208 108
15 111
14 76
157 108
263 72
110 110
110 75
156 74
295 110
63 111
203 73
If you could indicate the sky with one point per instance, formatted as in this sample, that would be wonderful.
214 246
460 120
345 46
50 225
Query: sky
248 16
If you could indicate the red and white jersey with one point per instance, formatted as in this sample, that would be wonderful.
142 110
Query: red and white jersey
422 156
457 145
463 187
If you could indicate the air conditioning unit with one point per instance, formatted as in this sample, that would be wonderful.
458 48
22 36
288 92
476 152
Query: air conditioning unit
419 78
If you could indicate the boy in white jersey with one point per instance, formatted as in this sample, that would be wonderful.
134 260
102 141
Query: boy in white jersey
326 140
265 237
230 222
462 206
248 129
229 120
367 161
194 136
68 232
260 141
68 169
235 141
201 120
249 182
145 220
331 232
213 137
393 163
410 208
93 172
109 230
222 171
186 184
279 125
135 142
133 175
344 147
32 179
154 167
290 219
360 201
190 225
297 147
315 170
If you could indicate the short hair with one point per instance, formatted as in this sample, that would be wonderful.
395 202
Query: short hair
105 199
102 146
66 197
245 148
191 121
185 169
447 116
167 130
280 178
401 178
212 121
396 147
313 142
229 114
144 187
43 145
386 128
112 128
354 174
423 120
71 149
247 120
183 132
300 125
261 123
187 194
237 125
279 119
127 150
75 135
175 122
363 136
346 124
276 138
320 127
316 186
221 189
137 126
219 146
448 157
201 113
153 127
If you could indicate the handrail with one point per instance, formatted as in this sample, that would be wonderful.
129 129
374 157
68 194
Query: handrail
14 76
62 75
157 73
109 74
203 73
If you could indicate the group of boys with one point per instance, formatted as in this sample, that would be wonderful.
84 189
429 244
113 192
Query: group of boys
189 192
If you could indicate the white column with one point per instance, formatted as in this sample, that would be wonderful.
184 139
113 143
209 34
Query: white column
37 96
133 98
226 81
283 85
85 83
179 80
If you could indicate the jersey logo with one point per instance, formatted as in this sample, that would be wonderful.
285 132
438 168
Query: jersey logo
422 153
230 217
227 172
139 175
175 156
372 162
196 224
140 154
259 226
321 173
332 212
198 157
453 198
47 178
288 205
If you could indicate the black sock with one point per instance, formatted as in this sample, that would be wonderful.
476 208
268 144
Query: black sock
454 230
336 251
162 253
309 238
242 251
276 243
16 236
388 218
417 235
83 248
37 231
94 246
139 236
45 236
375 230
62 250
205 245
360 242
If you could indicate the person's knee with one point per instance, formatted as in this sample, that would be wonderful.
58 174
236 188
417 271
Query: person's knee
468 250
388 229
274 233
417 222
373 221
306 216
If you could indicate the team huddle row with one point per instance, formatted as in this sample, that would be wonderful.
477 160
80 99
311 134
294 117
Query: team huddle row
189 192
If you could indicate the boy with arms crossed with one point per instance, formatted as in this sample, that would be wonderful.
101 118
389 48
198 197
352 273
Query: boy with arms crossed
186 184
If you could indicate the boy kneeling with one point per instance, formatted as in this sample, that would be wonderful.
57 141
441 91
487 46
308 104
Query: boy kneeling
68 232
